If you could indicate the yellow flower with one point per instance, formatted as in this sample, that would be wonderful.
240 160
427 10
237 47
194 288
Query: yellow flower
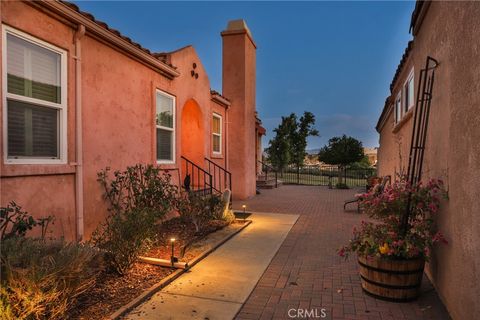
384 249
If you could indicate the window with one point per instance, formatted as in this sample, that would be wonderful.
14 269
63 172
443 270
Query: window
165 122
35 101
398 108
217 134
409 92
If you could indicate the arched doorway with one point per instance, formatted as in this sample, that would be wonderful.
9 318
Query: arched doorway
192 136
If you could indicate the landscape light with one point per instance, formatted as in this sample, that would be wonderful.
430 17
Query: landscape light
172 257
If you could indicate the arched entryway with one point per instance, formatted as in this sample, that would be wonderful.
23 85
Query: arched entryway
192 136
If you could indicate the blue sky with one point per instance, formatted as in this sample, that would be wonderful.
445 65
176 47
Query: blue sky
335 59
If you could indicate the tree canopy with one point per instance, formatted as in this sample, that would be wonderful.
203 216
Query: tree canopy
341 151
290 141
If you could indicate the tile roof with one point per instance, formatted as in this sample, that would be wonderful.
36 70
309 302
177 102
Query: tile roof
404 58
114 31
214 92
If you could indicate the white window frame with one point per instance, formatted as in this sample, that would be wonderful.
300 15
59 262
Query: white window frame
62 106
216 115
397 116
173 130
410 77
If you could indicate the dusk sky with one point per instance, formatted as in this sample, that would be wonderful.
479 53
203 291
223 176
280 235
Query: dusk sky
335 59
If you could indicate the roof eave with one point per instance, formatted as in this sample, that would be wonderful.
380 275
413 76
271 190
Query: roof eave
97 31
220 100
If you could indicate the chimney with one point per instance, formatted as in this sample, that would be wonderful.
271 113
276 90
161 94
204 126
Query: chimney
238 85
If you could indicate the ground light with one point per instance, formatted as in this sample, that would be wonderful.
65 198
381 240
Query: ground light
173 259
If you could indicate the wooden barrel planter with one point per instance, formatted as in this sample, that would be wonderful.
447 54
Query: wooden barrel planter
392 280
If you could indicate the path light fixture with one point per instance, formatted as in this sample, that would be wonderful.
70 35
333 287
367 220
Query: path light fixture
173 259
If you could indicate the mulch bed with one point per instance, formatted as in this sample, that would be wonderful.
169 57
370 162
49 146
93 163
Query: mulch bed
184 235
112 291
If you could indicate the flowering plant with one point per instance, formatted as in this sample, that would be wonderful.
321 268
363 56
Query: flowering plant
387 237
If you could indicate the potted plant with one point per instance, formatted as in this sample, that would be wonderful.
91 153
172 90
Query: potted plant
392 254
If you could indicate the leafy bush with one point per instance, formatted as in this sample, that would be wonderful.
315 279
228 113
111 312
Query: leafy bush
199 209
139 197
123 237
139 187
41 280
341 185
15 222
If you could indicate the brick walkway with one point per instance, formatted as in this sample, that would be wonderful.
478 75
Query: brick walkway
306 273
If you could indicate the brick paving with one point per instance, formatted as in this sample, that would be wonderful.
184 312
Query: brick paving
307 274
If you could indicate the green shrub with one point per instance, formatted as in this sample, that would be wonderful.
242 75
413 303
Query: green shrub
341 185
199 209
139 187
41 280
139 197
123 237
15 222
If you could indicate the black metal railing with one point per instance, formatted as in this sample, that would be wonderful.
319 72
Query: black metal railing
326 176
196 179
221 178
268 173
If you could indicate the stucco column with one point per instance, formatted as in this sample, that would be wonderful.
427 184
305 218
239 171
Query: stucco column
239 78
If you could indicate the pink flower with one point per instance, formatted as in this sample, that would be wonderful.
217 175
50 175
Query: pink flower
433 208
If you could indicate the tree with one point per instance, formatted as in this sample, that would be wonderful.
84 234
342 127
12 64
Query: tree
279 149
303 129
341 151
290 141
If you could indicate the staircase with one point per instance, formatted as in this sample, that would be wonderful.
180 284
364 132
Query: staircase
268 178
213 179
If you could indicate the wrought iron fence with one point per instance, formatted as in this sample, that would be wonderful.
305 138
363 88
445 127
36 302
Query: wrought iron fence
324 176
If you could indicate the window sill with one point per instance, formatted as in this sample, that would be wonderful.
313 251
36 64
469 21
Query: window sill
21 170
217 156
404 120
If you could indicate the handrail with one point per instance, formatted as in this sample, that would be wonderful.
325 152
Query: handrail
207 177
269 167
227 176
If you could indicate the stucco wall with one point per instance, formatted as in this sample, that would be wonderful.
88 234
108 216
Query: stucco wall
118 108
42 189
449 33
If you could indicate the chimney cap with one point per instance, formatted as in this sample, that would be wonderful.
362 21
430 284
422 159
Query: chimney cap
238 26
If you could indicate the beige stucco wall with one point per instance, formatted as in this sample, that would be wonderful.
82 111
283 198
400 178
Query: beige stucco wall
450 34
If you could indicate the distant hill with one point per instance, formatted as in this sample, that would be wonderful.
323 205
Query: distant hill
313 151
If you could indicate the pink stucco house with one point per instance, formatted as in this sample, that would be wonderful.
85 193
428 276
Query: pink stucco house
77 96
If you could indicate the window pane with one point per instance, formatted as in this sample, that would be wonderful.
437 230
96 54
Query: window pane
398 110
164 144
32 130
32 71
164 111
216 143
216 125
411 95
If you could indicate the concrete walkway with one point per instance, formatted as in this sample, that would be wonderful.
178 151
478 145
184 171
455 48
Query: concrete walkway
217 286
